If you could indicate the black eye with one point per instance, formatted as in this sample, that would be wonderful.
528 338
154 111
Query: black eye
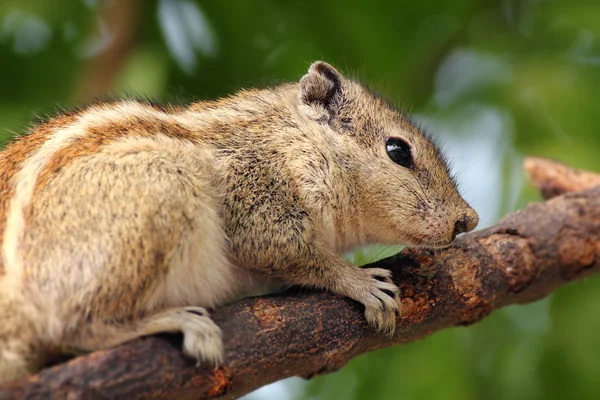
399 152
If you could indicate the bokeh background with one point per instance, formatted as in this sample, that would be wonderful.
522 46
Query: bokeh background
493 80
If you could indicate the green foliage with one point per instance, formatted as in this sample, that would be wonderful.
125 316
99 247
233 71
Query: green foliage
508 77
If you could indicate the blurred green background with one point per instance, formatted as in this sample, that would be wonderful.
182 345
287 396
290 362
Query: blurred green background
492 79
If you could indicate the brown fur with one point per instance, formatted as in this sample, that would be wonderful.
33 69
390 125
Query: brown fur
128 219
13 156
100 136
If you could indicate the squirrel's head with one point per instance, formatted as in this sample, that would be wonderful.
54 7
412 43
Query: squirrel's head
407 194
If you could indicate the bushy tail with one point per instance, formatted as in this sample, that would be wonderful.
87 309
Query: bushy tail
19 344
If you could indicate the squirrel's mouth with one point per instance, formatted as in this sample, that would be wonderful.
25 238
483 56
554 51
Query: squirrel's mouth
428 242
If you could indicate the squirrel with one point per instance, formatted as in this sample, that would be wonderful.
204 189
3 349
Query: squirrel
128 219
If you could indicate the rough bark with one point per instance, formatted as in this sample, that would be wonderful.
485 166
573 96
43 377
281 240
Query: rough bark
524 257
553 178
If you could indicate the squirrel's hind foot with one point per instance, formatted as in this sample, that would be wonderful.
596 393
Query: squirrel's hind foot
201 336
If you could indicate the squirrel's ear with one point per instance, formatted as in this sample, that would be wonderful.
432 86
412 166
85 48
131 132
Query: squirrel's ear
321 86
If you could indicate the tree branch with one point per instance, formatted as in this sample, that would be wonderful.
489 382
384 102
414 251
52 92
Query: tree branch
523 258
554 179
121 18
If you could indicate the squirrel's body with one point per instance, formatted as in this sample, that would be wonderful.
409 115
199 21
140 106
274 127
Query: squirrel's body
124 219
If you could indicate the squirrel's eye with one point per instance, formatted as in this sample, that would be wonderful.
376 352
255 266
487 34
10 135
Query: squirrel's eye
399 152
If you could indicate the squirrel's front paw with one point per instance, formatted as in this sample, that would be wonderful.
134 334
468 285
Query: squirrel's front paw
381 298
201 337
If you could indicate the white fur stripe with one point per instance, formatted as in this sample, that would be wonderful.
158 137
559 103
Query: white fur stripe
25 180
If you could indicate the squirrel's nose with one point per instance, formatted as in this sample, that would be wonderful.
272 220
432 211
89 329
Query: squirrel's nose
459 227
465 223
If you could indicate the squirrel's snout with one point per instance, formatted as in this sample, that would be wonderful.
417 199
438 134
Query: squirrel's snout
459 227
466 223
